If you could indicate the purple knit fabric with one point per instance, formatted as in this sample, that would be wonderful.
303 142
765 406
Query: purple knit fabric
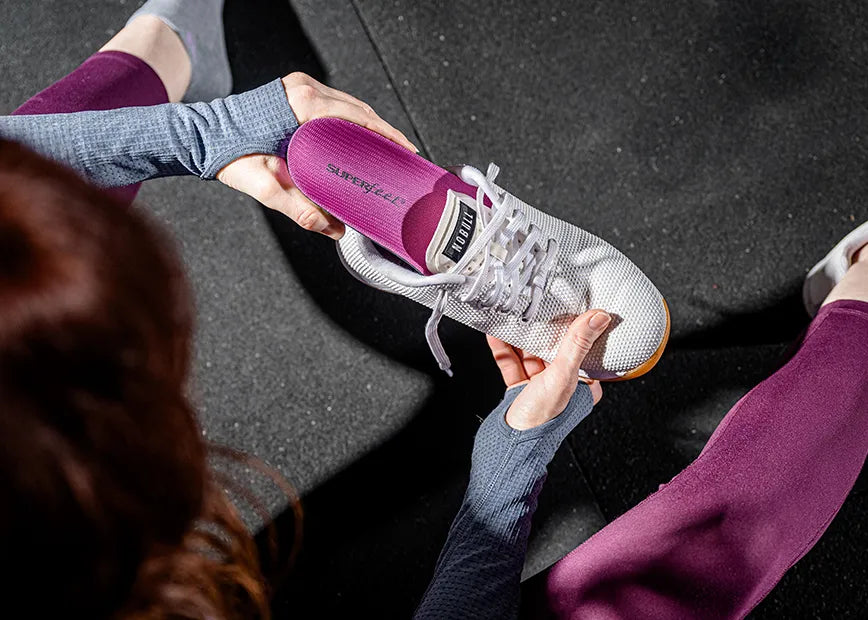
716 539
105 81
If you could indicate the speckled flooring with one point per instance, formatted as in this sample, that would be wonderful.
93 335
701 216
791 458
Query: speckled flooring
720 144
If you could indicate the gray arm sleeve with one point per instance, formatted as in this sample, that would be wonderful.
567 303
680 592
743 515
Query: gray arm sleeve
479 570
119 147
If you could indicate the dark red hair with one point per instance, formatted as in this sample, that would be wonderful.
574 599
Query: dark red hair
104 483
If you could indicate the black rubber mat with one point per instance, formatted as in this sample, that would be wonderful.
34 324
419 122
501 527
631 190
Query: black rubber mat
720 144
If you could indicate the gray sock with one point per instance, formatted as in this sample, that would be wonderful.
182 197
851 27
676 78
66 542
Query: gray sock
199 23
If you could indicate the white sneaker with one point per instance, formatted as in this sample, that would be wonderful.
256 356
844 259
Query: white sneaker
521 275
828 272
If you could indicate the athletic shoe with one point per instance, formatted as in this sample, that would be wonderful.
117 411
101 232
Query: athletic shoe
828 272
468 249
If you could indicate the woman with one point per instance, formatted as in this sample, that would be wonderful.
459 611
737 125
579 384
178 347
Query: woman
111 371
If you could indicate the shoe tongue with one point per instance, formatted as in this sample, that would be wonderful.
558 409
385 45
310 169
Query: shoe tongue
459 225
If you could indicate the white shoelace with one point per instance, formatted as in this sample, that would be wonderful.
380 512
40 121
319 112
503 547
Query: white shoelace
517 262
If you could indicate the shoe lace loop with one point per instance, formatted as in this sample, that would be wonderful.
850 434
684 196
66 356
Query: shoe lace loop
517 259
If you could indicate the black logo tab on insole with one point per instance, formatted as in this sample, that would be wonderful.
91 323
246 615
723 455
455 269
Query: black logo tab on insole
461 234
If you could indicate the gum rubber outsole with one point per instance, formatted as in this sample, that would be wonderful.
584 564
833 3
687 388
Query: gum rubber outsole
652 361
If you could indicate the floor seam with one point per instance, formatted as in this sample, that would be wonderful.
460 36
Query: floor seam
423 149
587 480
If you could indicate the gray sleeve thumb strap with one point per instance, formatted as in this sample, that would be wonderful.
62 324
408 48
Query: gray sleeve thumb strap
119 147
258 121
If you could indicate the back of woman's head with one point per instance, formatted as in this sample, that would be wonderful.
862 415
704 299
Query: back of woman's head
103 476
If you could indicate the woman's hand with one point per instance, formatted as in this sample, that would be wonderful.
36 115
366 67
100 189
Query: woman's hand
550 386
265 177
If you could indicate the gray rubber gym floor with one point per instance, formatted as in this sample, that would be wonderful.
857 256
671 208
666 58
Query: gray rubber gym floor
722 145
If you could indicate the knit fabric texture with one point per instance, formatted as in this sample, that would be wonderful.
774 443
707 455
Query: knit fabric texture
479 570
128 145
589 273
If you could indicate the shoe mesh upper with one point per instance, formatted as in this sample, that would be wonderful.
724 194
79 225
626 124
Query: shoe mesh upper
589 273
